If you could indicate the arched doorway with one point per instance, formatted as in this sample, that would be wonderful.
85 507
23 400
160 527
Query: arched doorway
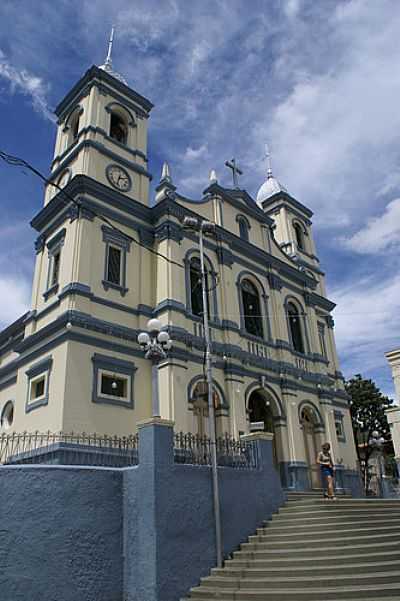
261 416
199 399
309 421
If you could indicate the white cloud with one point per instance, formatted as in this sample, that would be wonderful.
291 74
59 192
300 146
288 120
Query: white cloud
381 234
367 322
14 299
193 154
27 84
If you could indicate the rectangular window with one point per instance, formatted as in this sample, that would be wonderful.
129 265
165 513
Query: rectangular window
55 268
321 336
114 265
339 427
37 388
114 386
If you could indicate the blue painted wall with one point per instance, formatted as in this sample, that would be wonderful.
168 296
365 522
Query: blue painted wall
60 534
144 533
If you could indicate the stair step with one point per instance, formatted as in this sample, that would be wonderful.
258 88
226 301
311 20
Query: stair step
319 541
319 594
250 571
294 582
345 531
326 524
306 551
289 562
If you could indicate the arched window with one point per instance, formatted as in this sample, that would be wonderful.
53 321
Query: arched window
196 293
243 228
74 125
296 334
118 128
251 309
299 236
7 415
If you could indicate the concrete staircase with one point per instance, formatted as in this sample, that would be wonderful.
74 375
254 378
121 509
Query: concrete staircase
315 550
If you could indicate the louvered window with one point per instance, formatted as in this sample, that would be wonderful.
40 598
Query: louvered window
114 265
56 268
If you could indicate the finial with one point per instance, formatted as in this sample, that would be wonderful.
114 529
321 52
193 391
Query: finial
268 157
213 177
108 63
165 174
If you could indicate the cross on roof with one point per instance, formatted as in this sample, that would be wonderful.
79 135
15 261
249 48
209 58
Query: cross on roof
235 171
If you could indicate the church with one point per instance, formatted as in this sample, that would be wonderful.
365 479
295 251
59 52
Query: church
109 257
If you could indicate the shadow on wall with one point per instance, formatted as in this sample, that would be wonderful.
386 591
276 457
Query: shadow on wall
143 533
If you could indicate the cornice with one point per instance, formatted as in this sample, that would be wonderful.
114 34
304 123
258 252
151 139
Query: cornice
92 75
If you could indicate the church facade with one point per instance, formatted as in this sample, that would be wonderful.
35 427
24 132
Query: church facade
109 258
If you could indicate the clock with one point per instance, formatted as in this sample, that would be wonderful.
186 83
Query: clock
119 178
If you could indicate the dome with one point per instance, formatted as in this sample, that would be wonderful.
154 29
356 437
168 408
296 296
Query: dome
270 187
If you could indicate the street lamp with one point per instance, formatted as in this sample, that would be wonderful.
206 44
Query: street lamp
155 344
204 227
376 442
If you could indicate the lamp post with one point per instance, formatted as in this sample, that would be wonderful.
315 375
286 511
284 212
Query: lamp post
207 227
155 344
377 442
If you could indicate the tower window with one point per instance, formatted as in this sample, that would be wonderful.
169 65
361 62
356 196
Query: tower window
296 334
196 292
321 336
118 129
251 309
299 236
55 269
114 265
115 259
74 125
244 227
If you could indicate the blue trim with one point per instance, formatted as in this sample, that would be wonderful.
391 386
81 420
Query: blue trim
102 149
52 290
57 240
8 383
42 367
118 366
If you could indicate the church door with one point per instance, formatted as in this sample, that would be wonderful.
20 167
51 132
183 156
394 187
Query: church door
261 417
310 447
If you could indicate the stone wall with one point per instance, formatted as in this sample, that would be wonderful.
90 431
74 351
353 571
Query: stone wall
144 533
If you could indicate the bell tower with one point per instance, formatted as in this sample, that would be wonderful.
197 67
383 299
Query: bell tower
102 134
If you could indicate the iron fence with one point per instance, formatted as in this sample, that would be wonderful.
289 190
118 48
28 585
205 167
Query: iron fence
196 450
68 449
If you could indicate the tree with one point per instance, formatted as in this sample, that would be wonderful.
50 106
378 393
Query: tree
367 410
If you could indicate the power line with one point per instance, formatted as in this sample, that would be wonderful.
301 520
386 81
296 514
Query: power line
18 162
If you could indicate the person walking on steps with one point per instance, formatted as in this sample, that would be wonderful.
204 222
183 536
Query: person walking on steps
325 462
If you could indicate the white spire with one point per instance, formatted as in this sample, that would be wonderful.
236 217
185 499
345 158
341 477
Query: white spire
108 62
165 174
268 157
213 177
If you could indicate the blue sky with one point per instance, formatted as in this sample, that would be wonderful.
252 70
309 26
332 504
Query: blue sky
318 81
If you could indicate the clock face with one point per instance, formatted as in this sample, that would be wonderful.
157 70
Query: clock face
118 178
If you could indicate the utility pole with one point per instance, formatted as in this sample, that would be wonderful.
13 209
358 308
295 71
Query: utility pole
204 227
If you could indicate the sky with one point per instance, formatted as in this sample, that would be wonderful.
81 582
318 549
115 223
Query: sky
318 81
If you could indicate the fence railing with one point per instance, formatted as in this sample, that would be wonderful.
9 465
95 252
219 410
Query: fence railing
68 449
114 451
196 450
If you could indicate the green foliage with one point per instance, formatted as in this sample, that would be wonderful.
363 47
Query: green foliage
367 410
